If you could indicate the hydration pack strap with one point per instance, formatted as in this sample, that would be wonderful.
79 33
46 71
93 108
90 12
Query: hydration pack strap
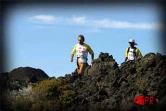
134 51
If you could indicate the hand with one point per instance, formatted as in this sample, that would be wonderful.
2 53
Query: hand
92 61
71 59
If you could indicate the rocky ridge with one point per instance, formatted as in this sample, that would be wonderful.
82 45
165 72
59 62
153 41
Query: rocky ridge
107 86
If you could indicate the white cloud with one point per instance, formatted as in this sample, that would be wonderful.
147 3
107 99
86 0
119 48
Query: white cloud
97 24
45 19
122 24
79 20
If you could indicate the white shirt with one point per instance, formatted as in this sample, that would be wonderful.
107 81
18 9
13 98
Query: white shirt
81 51
131 55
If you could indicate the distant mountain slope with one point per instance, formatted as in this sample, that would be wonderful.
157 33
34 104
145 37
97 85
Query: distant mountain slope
20 77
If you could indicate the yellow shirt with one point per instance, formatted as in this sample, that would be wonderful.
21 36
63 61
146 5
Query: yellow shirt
130 53
82 50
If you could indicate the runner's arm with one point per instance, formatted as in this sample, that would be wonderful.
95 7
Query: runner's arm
73 52
89 49
139 54
126 55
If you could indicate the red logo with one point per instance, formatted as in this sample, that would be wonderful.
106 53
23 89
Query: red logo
82 52
145 99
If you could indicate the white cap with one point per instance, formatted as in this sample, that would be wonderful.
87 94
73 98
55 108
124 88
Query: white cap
132 41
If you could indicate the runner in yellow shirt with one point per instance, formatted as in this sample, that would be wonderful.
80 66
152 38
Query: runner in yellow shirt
81 49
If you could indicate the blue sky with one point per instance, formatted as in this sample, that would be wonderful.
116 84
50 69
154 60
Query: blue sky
43 36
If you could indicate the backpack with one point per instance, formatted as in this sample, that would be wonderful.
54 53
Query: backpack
134 51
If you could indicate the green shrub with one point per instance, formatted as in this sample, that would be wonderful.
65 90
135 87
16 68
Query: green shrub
48 89
66 97
55 90
22 103
40 106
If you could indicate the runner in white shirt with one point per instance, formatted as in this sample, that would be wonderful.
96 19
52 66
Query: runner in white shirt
132 53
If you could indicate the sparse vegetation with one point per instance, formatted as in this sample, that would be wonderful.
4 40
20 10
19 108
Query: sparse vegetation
55 90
